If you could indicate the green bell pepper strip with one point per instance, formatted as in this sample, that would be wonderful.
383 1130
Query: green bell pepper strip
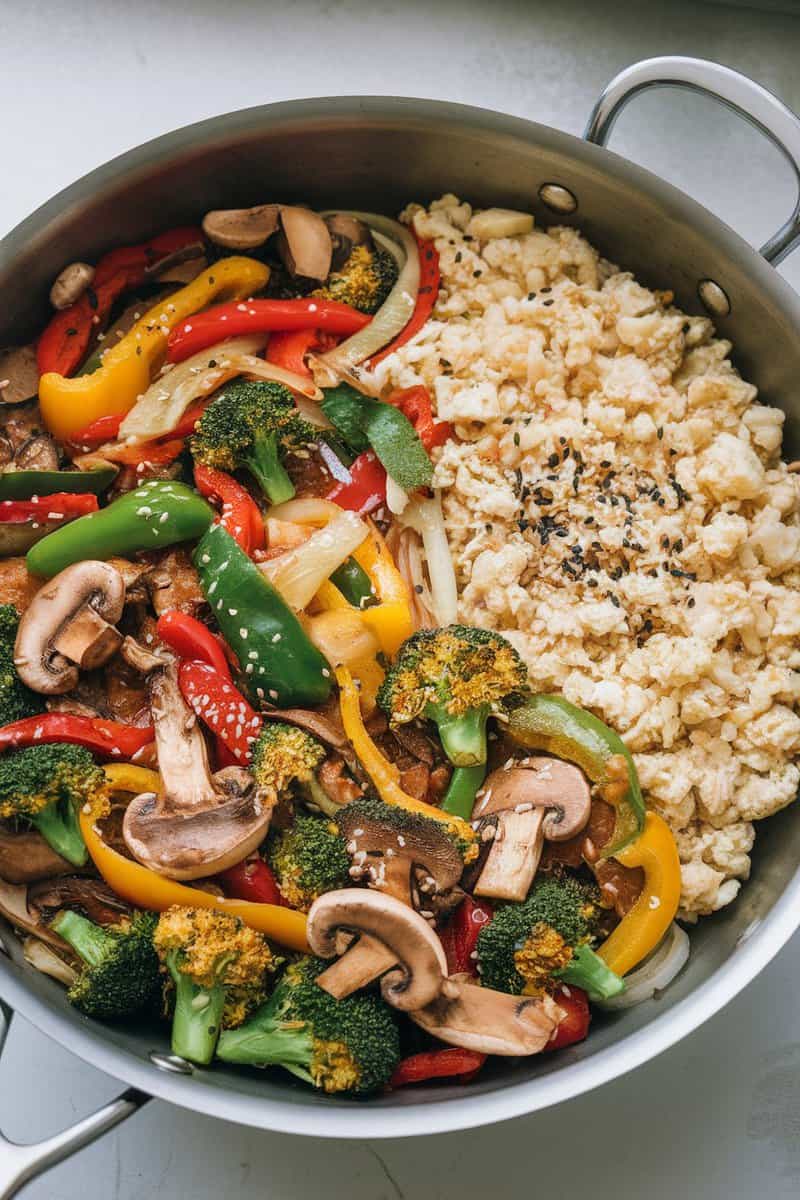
355 584
459 798
155 514
280 665
552 724
23 485
363 423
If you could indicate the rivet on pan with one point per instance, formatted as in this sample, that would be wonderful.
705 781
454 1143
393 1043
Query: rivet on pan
557 198
171 1062
714 298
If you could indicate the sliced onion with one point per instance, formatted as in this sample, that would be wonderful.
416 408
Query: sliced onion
406 549
300 573
398 307
342 637
45 959
425 515
161 407
657 970
259 368
306 510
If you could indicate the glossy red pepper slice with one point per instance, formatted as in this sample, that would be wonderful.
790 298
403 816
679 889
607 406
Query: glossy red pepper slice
240 515
454 1062
253 880
58 506
260 316
145 454
64 342
191 639
415 403
366 490
221 706
575 1025
108 739
106 429
429 282
289 350
460 935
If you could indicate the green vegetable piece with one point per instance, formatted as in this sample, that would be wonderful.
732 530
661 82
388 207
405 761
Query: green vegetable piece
588 971
44 785
121 976
355 584
364 423
155 514
552 724
22 485
308 859
16 698
464 783
279 663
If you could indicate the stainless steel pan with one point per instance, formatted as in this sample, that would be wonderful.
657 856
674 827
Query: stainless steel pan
381 153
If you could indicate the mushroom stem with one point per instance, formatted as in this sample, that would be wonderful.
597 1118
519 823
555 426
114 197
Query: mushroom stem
365 961
182 753
514 857
88 640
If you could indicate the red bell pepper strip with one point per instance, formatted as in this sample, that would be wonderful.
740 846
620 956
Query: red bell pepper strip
221 706
415 403
106 429
366 490
109 739
55 507
438 1064
144 454
64 343
289 350
260 316
253 880
575 1025
240 516
191 639
429 281
460 935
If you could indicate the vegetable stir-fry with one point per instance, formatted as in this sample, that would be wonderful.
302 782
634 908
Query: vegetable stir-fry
287 803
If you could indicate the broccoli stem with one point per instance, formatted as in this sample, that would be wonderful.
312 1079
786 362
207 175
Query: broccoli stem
265 465
198 1015
463 737
316 795
588 971
88 940
58 825
460 795
264 1042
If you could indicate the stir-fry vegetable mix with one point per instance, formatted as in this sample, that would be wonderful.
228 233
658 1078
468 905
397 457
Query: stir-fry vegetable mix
206 608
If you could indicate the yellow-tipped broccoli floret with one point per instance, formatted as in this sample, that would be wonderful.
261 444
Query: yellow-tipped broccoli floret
285 757
364 280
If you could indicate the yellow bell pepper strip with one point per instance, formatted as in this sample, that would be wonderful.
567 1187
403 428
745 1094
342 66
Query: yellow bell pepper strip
391 619
69 405
146 889
384 774
641 930
366 668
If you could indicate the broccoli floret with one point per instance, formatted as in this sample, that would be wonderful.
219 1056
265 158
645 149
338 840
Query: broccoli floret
45 785
349 1045
286 758
364 280
530 947
453 676
253 425
308 858
122 974
16 700
219 967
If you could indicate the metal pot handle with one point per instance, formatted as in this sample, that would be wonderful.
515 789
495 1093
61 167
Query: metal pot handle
747 98
20 1164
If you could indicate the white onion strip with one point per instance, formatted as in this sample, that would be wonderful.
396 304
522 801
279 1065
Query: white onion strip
657 970
396 310
425 515
299 573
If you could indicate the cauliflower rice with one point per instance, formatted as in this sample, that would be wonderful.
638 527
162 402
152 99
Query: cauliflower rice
616 503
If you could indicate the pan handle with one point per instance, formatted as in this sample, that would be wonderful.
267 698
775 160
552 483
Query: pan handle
747 98
20 1164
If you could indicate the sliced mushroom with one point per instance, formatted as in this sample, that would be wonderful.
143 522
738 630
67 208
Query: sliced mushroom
19 374
6 452
478 1018
304 244
536 799
92 896
14 907
199 824
26 857
38 453
170 268
377 937
419 866
241 228
315 723
70 284
47 962
346 232
70 624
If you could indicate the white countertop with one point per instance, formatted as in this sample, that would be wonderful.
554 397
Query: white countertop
719 1115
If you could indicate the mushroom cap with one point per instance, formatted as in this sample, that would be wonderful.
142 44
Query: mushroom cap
396 855
241 228
18 365
421 964
539 782
346 232
181 844
478 1018
305 244
92 585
